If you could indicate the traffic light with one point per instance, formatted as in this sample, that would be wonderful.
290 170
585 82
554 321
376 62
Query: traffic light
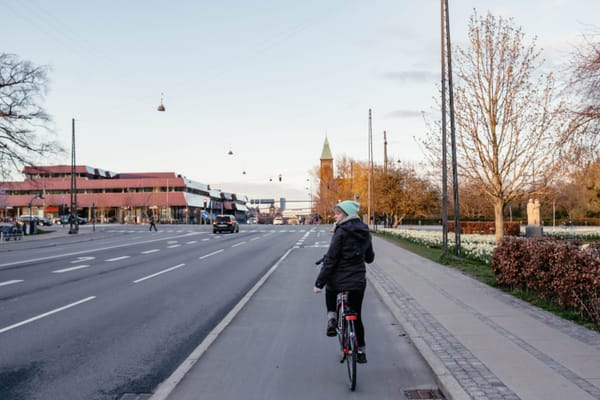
279 177
205 201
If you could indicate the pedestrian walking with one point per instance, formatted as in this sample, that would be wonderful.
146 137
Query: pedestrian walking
152 223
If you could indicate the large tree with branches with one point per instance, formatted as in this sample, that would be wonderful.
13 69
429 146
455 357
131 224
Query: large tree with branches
23 121
506 118
582 94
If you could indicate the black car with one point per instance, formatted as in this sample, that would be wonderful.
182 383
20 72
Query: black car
65 220
37 220
225 223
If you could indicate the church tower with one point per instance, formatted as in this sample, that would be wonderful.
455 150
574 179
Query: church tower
326 187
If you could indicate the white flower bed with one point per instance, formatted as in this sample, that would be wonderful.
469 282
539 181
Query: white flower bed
480 247
477 247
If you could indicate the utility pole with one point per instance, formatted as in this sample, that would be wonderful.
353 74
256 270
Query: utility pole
453 137
370 210
385 156
444 136
73 223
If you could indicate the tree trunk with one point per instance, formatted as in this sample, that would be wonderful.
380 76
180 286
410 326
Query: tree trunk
499 218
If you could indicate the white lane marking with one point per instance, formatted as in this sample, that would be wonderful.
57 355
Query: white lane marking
211 254
238 244
158 273
204 240
6 283
82 259
87 251
46 314
60 271
192 242
150 251
173 246
117 258
254 238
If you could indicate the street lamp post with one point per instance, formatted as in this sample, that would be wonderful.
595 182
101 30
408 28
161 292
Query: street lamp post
31 223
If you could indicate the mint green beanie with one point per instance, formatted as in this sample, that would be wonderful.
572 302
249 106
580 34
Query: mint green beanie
349 207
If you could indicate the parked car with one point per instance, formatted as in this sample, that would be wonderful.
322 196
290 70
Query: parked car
45 222
37 220
252 220
64 220
225 223
277 221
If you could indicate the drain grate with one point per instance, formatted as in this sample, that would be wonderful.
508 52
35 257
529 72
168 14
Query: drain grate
422 394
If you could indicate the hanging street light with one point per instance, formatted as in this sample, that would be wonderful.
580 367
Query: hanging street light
161 106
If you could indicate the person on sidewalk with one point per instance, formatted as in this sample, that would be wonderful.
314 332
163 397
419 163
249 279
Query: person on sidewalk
152 223
344 267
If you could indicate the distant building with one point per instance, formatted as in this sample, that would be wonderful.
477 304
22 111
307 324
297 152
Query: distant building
327 188
116 197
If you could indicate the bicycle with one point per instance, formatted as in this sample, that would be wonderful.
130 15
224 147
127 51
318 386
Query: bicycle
346 333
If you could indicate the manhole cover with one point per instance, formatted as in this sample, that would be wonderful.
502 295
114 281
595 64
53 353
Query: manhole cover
423 394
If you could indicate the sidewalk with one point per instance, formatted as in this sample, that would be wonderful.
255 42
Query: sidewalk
480 342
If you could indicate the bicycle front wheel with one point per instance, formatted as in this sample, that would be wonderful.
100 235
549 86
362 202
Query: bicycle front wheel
351 353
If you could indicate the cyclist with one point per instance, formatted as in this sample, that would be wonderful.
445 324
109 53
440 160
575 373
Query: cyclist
344 267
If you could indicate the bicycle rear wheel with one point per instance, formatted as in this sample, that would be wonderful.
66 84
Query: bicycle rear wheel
351 353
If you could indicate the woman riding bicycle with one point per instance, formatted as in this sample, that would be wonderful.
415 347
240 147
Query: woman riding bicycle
344 268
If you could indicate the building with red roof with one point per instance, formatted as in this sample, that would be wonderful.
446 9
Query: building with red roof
107 196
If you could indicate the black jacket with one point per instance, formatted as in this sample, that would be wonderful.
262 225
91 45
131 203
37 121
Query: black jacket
344 264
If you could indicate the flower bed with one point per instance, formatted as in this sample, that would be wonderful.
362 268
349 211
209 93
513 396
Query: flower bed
481 247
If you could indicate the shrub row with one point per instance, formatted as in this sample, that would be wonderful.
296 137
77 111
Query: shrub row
565 273
485 227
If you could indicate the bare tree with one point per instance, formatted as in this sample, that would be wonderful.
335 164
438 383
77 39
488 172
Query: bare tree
505 114
22 88
581 140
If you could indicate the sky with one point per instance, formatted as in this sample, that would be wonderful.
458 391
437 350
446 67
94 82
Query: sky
265 80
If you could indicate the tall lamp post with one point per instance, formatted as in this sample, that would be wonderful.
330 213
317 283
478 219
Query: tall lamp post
31 222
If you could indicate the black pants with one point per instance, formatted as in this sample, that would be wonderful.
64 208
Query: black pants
355 299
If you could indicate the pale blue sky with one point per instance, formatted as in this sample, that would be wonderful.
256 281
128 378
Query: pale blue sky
268 79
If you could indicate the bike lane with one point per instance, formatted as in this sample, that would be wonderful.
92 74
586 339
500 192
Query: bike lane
276 346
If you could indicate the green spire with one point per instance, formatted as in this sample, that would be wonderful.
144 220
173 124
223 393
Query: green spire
326 153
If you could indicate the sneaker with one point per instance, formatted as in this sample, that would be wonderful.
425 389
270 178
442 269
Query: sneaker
332 327
361 357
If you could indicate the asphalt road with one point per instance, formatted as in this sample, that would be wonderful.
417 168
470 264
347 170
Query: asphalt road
116 315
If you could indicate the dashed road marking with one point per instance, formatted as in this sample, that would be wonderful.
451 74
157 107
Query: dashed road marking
117 258
6 283
150 251
46 314
60 271
158 273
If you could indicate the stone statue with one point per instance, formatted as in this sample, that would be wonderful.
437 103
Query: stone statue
530 218
534 226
